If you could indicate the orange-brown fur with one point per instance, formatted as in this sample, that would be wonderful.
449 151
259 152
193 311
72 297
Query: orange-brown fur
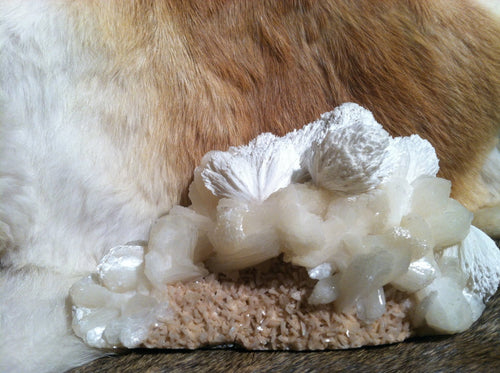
217 73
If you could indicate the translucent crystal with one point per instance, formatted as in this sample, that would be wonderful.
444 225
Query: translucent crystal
372 306
366 274
430 195
321 271
121 269
447 310
450 226
420 273
325 291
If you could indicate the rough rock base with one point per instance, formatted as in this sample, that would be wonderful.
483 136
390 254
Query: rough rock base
265 308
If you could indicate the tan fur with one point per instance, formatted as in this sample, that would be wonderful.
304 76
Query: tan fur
216 73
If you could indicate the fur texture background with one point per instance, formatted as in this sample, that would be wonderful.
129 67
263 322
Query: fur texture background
107 106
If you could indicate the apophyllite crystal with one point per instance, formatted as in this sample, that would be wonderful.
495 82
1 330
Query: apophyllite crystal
357 208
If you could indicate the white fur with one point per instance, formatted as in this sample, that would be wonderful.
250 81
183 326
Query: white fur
492 5
488 217
36 323
66 192
490 175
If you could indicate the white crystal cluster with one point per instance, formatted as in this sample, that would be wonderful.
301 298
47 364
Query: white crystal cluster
342 198
113 307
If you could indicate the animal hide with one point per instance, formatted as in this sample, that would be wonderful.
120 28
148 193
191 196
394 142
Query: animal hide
107 106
